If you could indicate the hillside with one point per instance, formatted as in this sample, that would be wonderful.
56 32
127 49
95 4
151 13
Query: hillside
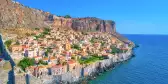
16 18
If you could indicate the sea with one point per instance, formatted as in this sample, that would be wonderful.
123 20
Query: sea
149 66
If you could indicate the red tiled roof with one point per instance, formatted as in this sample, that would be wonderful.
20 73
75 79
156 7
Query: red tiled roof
37 57
124 49
30 67
45 58
105 55
71 61
57 66
42 44
41 66
53 58
62 57
24 46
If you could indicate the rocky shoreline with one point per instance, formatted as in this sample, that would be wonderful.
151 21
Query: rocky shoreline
101 71
104 66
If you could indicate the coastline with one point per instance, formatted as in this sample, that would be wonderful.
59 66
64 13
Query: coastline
102 70
97 70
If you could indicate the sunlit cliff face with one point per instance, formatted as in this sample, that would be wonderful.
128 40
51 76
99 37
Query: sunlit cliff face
15 15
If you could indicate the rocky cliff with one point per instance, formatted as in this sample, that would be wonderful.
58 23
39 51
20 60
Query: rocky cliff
15 15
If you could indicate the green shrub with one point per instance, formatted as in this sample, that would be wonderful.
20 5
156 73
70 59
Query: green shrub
47 30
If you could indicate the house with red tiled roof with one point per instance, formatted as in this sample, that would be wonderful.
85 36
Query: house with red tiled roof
16 48
45 59
24 47
53 60
71 65
30 53
57 70
37 58
30 70
43 70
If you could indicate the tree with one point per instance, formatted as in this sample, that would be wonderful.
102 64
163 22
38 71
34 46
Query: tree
27 34
42 62
64 63
102 43
26 62
92 40
73 57
17 43
37 29
47 30
115 50
41 35
67 16
75 46
8 43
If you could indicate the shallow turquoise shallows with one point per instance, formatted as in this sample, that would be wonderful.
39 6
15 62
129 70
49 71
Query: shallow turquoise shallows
149 66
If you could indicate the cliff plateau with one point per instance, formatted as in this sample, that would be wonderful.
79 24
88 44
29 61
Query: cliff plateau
15 15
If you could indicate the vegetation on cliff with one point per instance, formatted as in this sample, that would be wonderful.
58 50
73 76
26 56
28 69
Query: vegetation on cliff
115 50
46 31
67 16
90 59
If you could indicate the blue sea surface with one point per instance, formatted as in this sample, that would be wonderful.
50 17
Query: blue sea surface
149 66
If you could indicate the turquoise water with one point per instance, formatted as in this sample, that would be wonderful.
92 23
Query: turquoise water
150 66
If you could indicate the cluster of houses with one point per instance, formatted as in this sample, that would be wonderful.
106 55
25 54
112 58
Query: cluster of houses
56 49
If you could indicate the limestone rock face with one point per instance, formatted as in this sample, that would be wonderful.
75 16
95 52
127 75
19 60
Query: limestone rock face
93 24
15 15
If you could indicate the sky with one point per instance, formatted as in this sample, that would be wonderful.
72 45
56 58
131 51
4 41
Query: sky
131 16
